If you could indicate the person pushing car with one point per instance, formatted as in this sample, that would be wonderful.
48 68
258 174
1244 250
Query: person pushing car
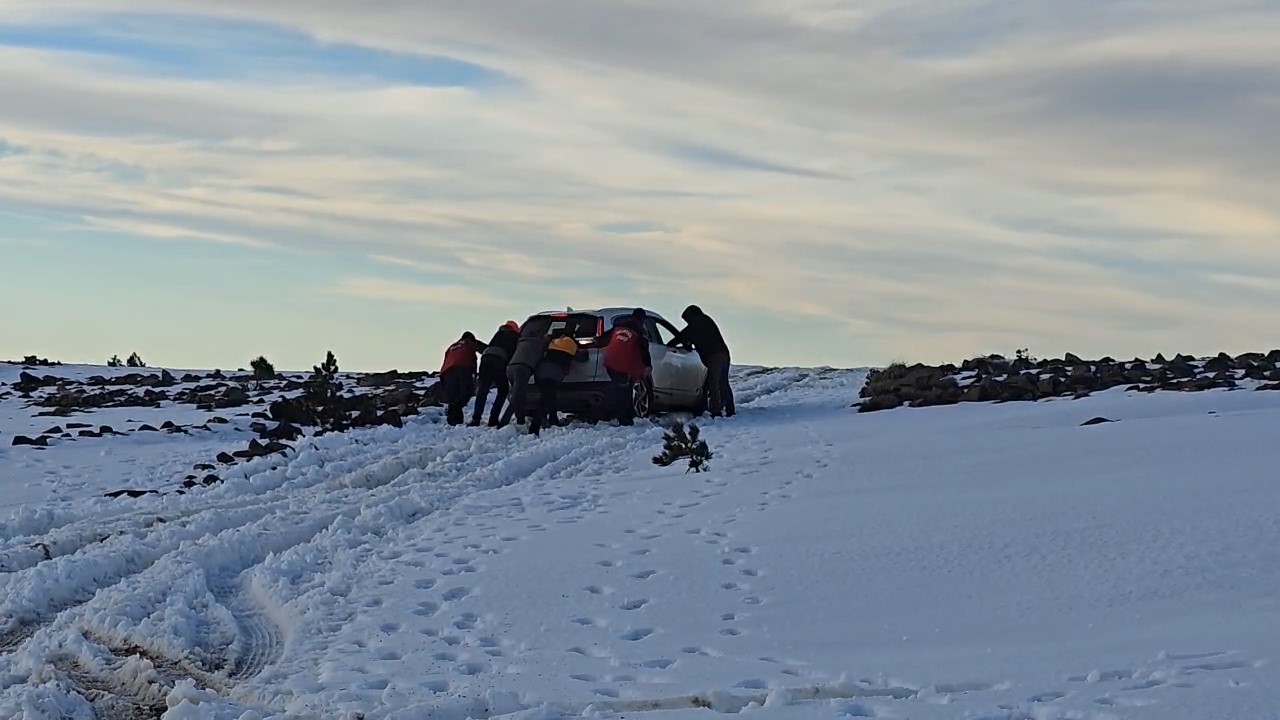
493 371
458 375
627 359
704 334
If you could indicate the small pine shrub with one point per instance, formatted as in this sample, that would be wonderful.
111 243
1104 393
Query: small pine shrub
115 362
681 444
135 361
262 368
323 393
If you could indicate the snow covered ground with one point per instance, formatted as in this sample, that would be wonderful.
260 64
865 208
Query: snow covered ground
975 561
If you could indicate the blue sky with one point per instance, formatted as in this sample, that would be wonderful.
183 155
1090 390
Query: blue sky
840 183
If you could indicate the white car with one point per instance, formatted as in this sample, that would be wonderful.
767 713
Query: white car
678 374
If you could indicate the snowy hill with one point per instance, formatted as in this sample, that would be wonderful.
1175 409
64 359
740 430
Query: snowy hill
971 561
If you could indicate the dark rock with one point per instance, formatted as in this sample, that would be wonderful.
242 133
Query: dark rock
40 441
1095 421
89 434
218 420
376 380
189 483
883 402
392 418
245 454
130 493
292 410
65 435
217 375
55 430
200 467
284 431
107 430
147 428
77 425
258 427
166 379
211 479
225 458
1072 359
276 447
259 415
168 425
1220 363
1159 359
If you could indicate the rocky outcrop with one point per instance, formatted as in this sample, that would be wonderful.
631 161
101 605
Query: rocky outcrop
998 379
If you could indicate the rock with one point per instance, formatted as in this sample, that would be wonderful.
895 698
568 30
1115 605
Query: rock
1072 359
1220 363
225 458
392 418
77 425
89 434
211 479
258 427
218 420
199 467
1095 421
147 428
883 402
259 415
55 430
1159 359
130 493
41 441
167 379
107 430
274 447
376 380
189 483
292 410
168 425
284 431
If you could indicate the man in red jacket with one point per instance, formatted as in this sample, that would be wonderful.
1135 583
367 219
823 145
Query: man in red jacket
627 358
458 375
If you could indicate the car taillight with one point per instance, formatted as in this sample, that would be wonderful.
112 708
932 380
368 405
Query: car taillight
599 326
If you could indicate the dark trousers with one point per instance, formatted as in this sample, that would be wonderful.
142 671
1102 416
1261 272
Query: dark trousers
518 380
620 397
493 374
547 411
457 384
719 392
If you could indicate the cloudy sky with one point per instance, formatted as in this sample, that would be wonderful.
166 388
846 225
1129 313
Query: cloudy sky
839 182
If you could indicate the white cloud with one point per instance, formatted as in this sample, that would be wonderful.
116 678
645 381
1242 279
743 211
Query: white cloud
932 178
415 293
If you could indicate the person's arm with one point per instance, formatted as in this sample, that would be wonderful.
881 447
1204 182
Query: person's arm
680 338
645 354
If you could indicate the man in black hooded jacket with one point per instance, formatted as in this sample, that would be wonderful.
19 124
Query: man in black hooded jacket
704 334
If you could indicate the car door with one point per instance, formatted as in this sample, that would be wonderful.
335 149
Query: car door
692 371
670 367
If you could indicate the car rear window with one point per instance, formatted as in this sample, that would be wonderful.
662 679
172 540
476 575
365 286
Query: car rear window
580 327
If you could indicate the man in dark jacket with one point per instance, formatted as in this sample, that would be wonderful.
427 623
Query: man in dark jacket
628 361
550 372
493 371
704 334
529 349
458 375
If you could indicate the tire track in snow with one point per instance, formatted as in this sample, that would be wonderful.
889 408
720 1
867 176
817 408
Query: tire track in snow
202 543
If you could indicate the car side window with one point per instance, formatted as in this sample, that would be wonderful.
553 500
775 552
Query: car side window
654 331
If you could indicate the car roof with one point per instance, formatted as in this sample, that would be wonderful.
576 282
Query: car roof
602 312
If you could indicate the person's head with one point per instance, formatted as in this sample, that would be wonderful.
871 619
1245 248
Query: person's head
639 314
468 335
512 325
559 333
691 312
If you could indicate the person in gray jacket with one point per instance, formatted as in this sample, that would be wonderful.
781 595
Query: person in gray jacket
529 350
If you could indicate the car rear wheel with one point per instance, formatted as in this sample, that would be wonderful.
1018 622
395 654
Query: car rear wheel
642 399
